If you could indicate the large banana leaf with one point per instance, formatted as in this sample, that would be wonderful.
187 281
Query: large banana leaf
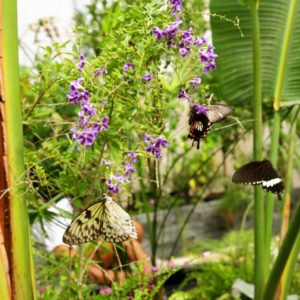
234 64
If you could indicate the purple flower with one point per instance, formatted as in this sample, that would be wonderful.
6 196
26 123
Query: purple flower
82 62
133 156
76 92
100 72
183 51
88 108
200 109
186 264
112 186
195 82
128 66
105 162
171 264
128 168
155 146
147 77
158 33
82 119
200 41
183 95
108 290
187 36
119 177
154 268
85 138
102 291
161 142
176 6
105 121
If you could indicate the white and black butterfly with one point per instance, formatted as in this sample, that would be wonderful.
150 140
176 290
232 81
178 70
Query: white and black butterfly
260 172
202 119
104 219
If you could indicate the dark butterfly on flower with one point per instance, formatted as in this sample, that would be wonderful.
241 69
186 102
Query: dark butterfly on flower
104 219
260 172
203 117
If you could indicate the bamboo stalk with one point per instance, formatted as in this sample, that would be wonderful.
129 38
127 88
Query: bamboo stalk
257 152
283 256
22 278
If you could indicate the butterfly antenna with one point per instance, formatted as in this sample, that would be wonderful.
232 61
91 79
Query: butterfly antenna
118 257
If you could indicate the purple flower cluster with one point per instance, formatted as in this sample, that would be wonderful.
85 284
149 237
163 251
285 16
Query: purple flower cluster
208 57
87 129
155 145
82 62
77 93
200 109
184 95
123 176
184 39
176 6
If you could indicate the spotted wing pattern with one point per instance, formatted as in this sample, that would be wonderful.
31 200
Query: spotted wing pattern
260 172
104 219
201 123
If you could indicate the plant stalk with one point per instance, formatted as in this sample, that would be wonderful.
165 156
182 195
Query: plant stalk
276 123
257 153
283 256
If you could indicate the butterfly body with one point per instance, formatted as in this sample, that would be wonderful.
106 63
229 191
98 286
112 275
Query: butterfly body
104 219
260 172
202 119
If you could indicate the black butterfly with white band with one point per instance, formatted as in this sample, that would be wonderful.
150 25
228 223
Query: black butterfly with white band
260 172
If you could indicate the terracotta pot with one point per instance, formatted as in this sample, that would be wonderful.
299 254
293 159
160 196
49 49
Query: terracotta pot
97 275
63 250
107 254
134 250
121 277
139 230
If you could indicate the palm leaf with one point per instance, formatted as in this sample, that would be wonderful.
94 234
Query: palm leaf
234 64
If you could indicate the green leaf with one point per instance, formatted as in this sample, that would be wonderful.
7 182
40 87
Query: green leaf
234 63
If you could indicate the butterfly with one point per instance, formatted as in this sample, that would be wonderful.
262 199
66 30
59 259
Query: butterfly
104 219
202 117
260 172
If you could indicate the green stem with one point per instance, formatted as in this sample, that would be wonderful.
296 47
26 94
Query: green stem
283 256
257 152
21 275
276 124
290 267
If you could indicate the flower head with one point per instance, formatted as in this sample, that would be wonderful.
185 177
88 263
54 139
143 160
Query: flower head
200 41
128 168
183 95
100 72
195 82
128 66
155 146
88 108
200 109
147 77
176 6
133 156
82 62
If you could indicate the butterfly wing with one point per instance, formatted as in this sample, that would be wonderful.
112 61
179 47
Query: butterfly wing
259 172
104 219
117 224
218 112
87 226
200 126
